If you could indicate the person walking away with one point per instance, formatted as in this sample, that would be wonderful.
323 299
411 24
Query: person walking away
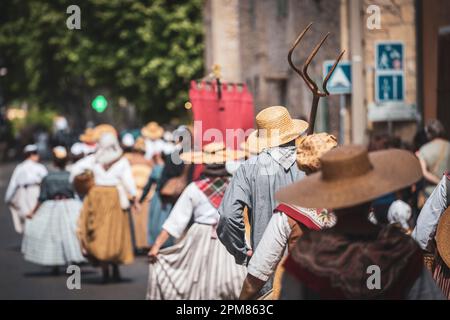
356 259
154 143
433 234
288 224
141 169
255 182
197 267
50 237
434 156
23 188
104 226
173 174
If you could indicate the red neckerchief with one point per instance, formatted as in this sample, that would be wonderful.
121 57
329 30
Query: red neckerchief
314 219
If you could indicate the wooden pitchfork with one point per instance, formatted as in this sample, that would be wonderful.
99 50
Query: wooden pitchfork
317 94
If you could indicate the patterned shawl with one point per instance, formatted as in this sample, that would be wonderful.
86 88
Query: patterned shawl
214 188
336 266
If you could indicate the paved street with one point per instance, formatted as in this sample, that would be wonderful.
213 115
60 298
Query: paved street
22 280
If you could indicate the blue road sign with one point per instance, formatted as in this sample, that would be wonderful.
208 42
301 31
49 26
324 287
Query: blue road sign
341 80
390 88
389 71
389 56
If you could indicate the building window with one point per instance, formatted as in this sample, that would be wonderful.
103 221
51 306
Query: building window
282 8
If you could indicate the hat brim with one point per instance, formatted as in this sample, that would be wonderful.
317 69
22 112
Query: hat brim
392 171
442 236
87 138
198 157
257 144
152 134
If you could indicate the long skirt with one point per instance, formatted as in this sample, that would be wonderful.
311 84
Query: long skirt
441 275
50 237
104 228
158 213
24 200
140 224
198 267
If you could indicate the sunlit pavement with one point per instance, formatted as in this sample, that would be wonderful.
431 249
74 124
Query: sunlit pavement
22 280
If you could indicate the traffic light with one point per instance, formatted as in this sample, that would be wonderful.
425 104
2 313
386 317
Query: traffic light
99 104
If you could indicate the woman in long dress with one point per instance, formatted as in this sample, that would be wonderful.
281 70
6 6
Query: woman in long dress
164 170
23 188
141 169
198 266
104 226
50 237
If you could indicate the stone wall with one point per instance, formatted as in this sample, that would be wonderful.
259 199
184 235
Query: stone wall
265 30
268 28
397 23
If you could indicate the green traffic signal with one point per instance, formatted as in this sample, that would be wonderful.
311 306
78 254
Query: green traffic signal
99 104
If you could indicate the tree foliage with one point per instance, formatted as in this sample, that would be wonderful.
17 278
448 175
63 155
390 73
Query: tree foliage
145 51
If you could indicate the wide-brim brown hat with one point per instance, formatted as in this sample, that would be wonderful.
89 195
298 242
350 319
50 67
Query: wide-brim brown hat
443 237
213 153
351 176
152 131
275 127
88 136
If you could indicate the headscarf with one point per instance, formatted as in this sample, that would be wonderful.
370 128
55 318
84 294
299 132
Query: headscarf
109 149
399 212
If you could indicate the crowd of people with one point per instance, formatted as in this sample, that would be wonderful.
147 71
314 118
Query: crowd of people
287 216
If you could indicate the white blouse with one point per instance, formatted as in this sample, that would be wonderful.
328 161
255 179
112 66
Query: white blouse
153 146
119 174
28 172
194 204
430 214
271 248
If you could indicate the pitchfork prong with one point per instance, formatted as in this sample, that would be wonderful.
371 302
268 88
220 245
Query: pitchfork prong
291 51
312 84
330 73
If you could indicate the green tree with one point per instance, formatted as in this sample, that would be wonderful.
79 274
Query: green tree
145 51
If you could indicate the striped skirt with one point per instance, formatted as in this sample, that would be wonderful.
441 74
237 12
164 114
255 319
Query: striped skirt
441 275
50 237
198 267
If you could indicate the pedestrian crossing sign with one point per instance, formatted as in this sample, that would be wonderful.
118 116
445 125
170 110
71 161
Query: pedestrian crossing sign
341 80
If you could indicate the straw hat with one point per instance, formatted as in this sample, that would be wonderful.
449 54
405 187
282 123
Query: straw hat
88 136
275 128
102 129
351 176
60 152
139 145
152 131
311 148
443 237
213 153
